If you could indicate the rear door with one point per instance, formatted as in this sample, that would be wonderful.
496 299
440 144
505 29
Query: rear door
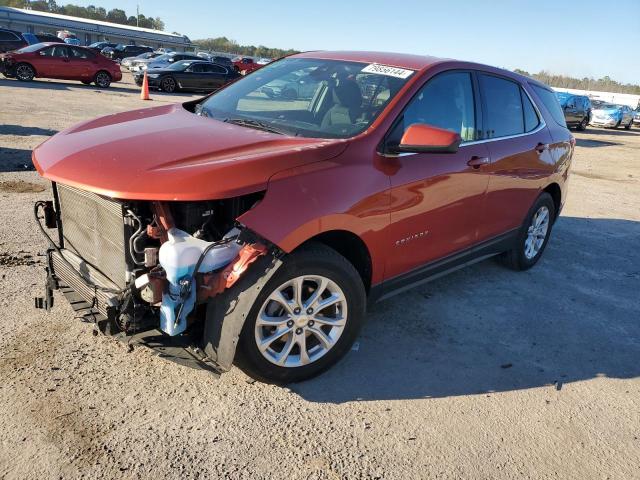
82 63
192 77
519 145
437 199
216 76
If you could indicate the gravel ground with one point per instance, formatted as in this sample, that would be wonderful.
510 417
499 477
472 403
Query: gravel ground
486 373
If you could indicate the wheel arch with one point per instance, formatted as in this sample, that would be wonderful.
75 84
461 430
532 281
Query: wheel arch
351 247
555 191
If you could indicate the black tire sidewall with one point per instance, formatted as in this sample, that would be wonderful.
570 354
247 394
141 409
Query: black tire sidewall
543 200
337 269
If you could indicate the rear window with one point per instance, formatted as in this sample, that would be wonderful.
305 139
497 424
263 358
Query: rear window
8 36
548 98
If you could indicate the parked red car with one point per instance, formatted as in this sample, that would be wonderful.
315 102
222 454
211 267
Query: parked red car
245 64
245 219
56 60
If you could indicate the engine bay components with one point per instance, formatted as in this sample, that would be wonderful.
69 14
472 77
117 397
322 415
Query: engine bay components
181 256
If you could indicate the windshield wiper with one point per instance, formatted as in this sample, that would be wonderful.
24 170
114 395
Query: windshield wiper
257 124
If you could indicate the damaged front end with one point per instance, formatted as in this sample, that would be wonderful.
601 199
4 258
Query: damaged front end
145 271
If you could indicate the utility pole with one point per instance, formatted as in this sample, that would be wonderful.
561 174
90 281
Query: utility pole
137 14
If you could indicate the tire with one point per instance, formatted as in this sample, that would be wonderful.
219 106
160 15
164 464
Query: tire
520 257
618 124
168 85
102 79
25 72
340 322
628 126
582 126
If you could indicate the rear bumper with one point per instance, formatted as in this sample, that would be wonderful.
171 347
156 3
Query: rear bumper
116 76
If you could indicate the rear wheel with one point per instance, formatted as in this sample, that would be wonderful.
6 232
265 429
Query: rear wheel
102 79
168 84
628 126
25 72
583 124
533 235
305 318
618 124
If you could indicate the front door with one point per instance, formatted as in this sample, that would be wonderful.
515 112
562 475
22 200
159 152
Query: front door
437 199
54 62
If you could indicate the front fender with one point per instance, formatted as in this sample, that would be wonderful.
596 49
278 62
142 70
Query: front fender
303 202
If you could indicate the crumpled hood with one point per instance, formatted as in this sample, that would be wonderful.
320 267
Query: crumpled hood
168 153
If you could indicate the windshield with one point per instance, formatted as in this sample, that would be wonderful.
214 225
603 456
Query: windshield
608 106
308 97
30 48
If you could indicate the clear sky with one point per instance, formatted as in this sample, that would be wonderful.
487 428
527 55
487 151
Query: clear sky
580 38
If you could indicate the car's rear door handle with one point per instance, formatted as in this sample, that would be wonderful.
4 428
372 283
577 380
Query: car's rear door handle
477 162
541 147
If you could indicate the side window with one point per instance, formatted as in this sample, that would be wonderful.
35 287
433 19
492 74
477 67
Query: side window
216 69
446 101
60 51
196 68
503 106
551 103
531 120
79 53
8 37
47 52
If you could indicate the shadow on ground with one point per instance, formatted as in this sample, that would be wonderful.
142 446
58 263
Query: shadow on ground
620 131
127 88
573 317
24 131
15 160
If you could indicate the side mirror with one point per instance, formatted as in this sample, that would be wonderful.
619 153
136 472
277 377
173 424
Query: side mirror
421 138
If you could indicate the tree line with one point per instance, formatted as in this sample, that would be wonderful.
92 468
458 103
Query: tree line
604 84
92 12
225 45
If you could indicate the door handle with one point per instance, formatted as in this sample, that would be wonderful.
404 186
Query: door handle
541 147
476 162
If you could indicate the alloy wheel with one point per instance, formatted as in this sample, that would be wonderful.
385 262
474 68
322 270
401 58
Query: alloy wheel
24 72
168 85
102 80
301 321
537 232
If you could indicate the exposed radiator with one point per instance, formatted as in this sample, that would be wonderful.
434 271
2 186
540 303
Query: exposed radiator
93 228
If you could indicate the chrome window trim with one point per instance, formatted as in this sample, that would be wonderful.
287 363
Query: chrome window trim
540 126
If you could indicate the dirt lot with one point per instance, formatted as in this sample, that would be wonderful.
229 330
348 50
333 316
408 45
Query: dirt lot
486 373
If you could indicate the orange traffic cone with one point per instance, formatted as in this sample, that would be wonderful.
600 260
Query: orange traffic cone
144 93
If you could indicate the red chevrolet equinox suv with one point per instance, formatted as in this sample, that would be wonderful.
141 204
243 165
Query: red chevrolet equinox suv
256 224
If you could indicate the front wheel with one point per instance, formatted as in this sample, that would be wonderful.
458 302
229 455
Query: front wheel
168 85
628 126
305 318
25 72
533 235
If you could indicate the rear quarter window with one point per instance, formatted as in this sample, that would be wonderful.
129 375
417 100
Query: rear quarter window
550 101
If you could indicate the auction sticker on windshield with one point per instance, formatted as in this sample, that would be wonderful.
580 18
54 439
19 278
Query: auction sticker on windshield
389 71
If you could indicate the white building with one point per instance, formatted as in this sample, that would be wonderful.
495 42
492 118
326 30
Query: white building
89 31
